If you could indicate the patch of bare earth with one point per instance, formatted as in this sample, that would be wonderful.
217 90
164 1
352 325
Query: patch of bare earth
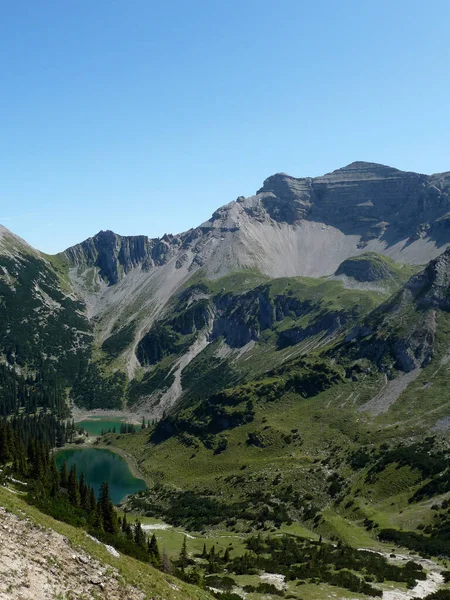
38 564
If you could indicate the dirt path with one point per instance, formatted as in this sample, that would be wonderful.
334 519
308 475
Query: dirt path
36 563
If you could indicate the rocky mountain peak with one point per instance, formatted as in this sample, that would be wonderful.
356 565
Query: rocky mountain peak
364 170
432 285
295 226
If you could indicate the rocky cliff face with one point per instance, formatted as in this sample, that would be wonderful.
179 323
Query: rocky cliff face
363 205
401 333
115 255
365 198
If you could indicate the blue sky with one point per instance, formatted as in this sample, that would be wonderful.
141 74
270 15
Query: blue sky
144 117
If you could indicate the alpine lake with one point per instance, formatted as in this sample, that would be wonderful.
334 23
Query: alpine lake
100 464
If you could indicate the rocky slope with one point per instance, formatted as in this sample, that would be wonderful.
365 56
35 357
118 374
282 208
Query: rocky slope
401 333
46 566
127 288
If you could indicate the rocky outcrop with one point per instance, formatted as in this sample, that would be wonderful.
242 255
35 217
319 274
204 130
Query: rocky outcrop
431 287
401 333
361 197
39 563
367 267
115 255
327 324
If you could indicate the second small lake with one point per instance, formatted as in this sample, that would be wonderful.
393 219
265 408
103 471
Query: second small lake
98 465
94 426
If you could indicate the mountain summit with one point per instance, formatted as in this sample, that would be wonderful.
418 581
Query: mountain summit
156 307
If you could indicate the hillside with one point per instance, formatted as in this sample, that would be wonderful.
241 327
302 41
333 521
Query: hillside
292 354
292 227
123 299
350 441
43 558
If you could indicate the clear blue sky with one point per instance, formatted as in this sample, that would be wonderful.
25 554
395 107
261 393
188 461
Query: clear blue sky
144 117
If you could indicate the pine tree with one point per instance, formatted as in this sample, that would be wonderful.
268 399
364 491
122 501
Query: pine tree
73 488
54 477
226 556
124 523
183 559
204 553
138 534
84 493
153 552
97 520
4 448
166 563
64 475
143 423
92 501
109 515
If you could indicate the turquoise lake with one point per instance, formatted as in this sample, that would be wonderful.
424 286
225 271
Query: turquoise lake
100 464
94 426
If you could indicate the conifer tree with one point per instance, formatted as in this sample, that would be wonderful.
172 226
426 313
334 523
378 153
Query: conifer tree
4 449
166 563
73 488
204 553
54 477
124 523
109 515
183 559
226 556
64 475
92 501
98 518
138 534
153 552
84 493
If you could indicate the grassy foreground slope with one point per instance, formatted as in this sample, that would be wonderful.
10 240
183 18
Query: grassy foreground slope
141 576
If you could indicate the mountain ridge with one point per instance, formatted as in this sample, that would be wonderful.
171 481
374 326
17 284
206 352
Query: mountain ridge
343 226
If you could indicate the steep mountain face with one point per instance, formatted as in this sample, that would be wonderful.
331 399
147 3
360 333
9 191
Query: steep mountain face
401 333
376 207
128 291
42 322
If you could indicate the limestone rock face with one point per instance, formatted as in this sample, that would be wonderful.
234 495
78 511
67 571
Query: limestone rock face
295 226
361 197
431 287
115 255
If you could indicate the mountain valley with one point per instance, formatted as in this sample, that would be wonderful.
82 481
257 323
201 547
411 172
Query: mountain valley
289 359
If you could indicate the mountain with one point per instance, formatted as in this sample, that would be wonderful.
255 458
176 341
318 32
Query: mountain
277 273
41 318
349 439
294 350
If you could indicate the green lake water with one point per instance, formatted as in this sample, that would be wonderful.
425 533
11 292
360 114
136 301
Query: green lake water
94 426
98 465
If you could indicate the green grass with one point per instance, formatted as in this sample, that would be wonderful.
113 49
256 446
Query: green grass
134 572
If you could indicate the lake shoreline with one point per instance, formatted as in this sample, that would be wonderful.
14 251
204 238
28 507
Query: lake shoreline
130 465
92 444
127 458
84 414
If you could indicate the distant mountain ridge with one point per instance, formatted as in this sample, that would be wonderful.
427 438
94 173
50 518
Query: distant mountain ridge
347 226
393 211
